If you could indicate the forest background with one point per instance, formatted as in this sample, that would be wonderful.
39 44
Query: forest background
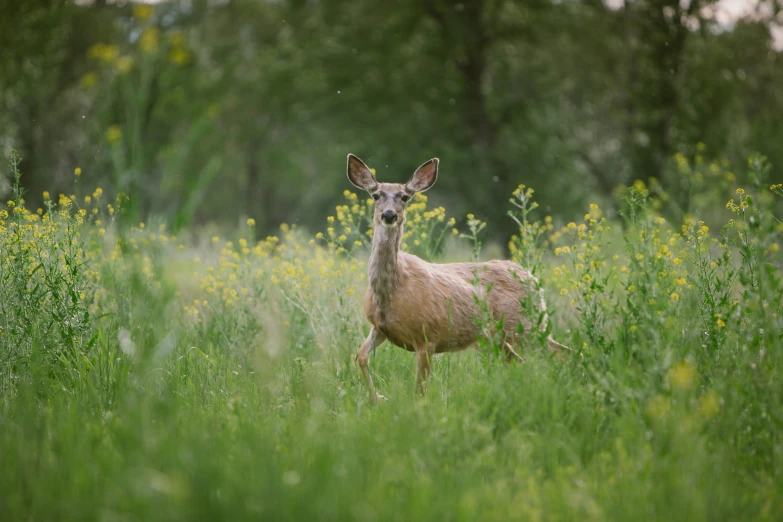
209 111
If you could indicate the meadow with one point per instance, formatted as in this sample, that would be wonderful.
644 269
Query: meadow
156 375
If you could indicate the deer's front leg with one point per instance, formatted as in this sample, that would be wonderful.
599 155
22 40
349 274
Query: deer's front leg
423 355
371 343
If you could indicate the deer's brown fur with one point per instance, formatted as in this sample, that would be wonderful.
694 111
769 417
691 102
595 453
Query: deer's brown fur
424 307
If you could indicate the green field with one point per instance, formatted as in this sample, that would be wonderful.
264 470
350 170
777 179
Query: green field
154 375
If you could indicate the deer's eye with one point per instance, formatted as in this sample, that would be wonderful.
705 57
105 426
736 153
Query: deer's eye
405 198
376 196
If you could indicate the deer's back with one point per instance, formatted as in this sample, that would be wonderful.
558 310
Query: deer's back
434 303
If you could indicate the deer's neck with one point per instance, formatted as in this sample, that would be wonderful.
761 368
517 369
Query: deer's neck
386 266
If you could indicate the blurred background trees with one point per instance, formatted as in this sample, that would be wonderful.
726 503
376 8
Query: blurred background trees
215 111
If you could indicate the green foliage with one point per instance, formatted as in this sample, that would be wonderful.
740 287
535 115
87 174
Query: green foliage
147 377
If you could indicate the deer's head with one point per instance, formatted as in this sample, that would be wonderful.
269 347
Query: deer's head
391 198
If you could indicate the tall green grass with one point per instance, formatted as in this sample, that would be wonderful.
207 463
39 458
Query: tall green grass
143 377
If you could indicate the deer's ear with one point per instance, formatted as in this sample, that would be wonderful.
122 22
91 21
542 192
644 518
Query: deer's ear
424 177
360 174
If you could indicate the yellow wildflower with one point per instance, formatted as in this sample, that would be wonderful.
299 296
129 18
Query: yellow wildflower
103 52
179 56
149 39
113 134
682 375
639 186
124 64
143 11
709 404
88 80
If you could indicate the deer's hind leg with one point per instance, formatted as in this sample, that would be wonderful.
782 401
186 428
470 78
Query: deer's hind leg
374 339
511 354
510 336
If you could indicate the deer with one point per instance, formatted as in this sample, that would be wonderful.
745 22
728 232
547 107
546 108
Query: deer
431 308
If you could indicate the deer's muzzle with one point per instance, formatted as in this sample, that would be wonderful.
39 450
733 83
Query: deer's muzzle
389 217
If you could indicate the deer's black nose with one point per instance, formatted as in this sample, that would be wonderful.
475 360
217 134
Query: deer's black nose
389 217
